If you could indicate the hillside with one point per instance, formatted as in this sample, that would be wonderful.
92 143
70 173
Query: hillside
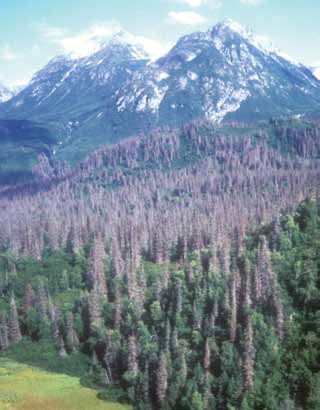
209 327
20 144
157 260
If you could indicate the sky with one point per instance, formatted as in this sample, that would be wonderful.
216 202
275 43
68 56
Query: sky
34 31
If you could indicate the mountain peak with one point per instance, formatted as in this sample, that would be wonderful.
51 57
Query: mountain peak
261 42
232 25
125 39
119 40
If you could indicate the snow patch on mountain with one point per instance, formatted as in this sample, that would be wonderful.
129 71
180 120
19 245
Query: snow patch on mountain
155 101
193 76
183 81
142 100
229 101
162 75
5 94
190 56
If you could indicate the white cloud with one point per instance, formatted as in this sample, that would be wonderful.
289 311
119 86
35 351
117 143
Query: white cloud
186 17
89 41
200 3
251 2
7 54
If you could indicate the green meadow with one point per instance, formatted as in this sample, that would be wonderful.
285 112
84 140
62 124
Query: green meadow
29 385
23 387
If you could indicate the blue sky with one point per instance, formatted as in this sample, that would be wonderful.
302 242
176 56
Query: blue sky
33 31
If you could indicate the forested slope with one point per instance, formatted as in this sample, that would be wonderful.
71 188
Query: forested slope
205 329
181 263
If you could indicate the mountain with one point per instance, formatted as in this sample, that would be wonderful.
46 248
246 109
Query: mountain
5 93
67 86
224 74
69 92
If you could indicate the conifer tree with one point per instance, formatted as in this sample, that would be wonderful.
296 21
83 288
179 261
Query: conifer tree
249 352
162 378
146 383
95 308
96 273
72 340
234 308
42 300
133 355
62 349
29 298
14 327
4 337
53 316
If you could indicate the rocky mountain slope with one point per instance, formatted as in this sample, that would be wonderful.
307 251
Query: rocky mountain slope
225 73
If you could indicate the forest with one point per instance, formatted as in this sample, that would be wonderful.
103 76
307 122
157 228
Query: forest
182 266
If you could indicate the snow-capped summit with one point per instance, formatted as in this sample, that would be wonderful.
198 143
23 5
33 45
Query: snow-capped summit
225 72
121 39
131 42
262 43
233 26
123 46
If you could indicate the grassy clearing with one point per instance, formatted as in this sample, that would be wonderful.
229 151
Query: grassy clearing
23 387
44 356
